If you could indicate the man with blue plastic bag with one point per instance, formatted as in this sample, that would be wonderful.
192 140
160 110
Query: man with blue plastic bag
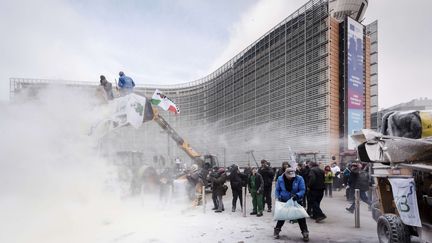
290 186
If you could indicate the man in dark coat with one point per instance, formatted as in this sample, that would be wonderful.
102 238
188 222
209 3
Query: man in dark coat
303 171
256 189
219 189
107 86
347 180
267 174
359 180
236 180
316 191
213 175
281 171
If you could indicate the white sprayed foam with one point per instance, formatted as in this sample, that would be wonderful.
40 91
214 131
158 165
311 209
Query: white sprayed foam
53 185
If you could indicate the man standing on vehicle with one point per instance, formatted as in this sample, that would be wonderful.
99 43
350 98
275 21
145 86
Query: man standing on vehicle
267 174
126 84
107 86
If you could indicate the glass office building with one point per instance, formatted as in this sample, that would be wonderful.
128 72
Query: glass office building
284 93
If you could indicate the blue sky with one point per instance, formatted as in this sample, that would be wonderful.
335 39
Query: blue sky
176 41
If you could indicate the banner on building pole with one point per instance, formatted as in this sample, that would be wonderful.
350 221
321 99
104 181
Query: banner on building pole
405 197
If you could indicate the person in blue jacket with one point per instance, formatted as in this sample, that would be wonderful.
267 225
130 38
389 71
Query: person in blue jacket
290 186
125 83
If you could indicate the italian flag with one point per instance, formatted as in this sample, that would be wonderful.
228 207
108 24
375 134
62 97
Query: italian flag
164 102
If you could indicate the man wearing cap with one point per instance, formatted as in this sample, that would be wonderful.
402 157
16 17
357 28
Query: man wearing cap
290 186
256 189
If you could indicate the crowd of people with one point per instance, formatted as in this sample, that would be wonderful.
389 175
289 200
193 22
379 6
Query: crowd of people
306 184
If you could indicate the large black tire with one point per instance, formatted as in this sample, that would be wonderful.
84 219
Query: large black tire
390 229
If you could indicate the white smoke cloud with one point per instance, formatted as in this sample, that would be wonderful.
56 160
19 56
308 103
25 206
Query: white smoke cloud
56 187
51 177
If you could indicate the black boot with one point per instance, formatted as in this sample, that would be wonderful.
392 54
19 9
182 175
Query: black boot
305 236
276 233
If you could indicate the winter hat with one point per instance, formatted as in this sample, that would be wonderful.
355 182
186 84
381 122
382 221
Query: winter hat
221 170
290 172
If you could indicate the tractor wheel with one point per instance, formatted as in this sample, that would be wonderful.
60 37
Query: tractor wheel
390 229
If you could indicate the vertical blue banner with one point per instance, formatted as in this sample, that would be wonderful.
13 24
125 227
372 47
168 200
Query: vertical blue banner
355 79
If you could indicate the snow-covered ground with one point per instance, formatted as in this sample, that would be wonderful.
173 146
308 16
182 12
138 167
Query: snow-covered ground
178 224
144 219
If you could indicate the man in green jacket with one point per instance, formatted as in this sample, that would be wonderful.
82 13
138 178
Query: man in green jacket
256 189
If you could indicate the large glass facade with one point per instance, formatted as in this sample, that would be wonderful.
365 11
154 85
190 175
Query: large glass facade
270 98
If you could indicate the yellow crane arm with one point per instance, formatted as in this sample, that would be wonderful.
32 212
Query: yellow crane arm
175 136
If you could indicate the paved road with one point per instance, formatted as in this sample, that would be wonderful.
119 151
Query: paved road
147 220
